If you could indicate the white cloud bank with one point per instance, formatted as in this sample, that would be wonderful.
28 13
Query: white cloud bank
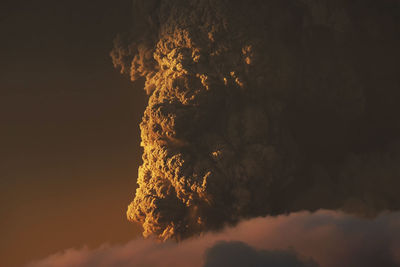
329 239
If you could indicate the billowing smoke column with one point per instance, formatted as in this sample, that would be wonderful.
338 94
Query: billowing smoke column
263 107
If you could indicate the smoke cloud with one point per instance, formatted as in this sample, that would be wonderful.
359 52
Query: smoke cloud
263 107
324 238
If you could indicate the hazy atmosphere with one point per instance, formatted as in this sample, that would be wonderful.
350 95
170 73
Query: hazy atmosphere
200 133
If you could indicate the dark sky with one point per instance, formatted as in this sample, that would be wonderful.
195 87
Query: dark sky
69 128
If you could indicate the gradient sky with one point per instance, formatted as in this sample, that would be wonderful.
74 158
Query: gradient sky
70 150
69 128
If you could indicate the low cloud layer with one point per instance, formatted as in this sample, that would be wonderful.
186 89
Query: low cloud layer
324 238
263 107
238 254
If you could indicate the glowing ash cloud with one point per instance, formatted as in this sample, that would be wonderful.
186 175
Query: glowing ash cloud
260 107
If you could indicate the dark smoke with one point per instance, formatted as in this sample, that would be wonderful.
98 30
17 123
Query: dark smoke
263 107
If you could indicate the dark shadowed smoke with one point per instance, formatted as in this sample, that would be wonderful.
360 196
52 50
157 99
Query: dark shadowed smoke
239 254
263 107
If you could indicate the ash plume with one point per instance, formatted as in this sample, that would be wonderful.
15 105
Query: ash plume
263 107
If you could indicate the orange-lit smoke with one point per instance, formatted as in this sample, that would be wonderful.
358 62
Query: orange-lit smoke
259 107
